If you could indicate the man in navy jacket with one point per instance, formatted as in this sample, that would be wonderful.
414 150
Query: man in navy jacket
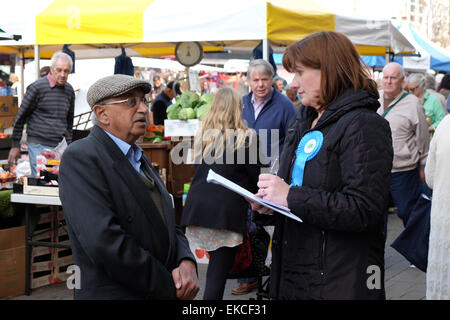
267 110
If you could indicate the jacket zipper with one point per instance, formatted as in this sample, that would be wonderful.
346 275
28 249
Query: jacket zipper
322 252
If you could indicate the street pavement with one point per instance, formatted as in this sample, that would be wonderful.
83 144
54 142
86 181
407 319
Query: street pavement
402 281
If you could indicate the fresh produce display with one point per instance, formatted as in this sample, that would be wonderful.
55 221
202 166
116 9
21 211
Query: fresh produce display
190 106
154 133
6 176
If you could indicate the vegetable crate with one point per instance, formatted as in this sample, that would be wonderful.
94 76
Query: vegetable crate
49 265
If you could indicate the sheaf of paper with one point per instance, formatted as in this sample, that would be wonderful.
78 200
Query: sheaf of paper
218 179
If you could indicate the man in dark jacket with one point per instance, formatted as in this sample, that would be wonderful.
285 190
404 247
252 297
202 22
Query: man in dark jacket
266 109
119 215
163 100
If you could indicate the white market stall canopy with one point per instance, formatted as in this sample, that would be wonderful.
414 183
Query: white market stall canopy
7 36
431 56
99 28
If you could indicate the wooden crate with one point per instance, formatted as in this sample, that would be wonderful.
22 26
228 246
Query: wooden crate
49 265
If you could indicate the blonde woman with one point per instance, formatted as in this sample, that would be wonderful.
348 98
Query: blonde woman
215 217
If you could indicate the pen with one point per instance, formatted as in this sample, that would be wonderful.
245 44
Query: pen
275 166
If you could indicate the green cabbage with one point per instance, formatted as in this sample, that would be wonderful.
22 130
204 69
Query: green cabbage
203 111
186 113
174 114
172 107
189 99
207 97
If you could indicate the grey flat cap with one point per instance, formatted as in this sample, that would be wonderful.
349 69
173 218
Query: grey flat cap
114 86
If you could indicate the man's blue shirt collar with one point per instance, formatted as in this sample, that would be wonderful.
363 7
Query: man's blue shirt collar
132 153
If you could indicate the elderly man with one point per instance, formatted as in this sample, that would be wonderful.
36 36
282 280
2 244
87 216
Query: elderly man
293 95
163 100
265 108
47 109
415 84
410 139
119 215
269 112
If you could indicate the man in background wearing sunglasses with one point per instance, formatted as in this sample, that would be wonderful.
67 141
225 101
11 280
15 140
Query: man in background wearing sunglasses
119 215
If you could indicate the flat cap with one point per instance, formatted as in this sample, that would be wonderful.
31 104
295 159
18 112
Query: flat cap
114 86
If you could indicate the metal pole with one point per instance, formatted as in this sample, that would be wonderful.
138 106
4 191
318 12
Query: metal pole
22 76
387 56
187 78
265 48
36 61
28 236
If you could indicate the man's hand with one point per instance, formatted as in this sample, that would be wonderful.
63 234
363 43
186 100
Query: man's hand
14 154
186 280
422 175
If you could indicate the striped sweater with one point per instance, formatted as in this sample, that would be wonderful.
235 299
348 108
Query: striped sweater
48 113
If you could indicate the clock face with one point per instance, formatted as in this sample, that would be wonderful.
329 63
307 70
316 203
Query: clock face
188 53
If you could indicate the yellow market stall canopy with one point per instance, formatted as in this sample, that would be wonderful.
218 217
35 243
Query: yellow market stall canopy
99 28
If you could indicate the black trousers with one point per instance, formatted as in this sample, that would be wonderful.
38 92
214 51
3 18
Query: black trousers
220 263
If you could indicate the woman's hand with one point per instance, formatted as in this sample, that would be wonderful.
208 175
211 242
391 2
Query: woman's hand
273 189
258 207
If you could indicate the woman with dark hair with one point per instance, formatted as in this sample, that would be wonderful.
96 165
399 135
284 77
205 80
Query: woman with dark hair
334 174
444 89
444 86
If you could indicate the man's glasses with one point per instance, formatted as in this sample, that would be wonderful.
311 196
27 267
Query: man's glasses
411 89
131 102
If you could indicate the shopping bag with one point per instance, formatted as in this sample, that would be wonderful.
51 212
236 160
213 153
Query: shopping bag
243 257
252 254
412 243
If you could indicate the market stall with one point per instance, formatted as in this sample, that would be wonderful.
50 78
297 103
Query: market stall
429 56
152 28
146 28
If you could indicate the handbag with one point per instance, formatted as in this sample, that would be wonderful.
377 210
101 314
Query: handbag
243 257
250 260
259 243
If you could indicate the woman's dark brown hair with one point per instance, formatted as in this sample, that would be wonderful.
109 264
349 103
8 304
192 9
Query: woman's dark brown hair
340 64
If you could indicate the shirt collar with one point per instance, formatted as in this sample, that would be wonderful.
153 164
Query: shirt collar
396 98
425 97
134 151
51 81
254 103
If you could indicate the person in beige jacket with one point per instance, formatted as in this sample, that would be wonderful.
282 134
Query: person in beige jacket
410 139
